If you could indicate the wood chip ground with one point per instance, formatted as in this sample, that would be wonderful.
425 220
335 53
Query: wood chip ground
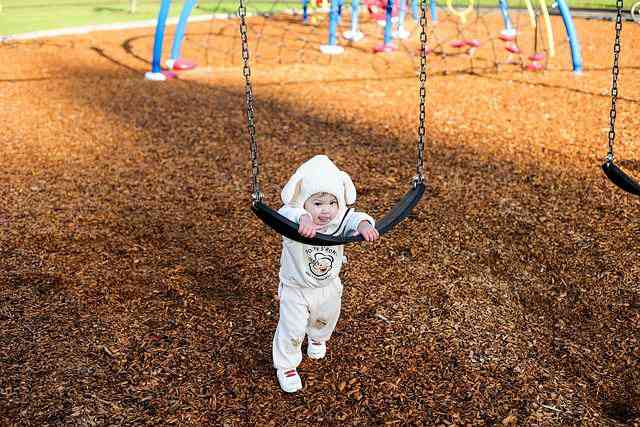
137 288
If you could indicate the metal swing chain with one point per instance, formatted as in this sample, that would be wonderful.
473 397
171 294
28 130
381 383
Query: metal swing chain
614 84
256 196
423 91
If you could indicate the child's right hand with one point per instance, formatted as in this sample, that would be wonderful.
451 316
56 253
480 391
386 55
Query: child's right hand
306 227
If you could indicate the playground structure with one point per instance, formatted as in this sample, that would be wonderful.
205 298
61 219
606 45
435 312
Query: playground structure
454 31
175 61
316 6
395 13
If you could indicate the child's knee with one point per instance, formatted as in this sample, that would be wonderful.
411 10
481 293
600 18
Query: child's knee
327 311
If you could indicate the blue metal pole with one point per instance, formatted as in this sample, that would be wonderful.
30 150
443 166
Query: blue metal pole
576 56
333 23
388 25
434 10
182 25
504 10
401 15
305 11
414 10
157 41
355 10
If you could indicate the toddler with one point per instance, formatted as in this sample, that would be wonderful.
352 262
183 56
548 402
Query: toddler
310 291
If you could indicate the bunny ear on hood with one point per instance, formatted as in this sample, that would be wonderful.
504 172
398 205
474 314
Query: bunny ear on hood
349 188
291 190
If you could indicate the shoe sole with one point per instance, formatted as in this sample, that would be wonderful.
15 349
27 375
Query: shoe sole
292 390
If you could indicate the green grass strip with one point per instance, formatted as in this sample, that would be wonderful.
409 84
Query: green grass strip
24 16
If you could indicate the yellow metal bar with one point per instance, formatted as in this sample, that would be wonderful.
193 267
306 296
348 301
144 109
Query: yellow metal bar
532 14
549 30
461 14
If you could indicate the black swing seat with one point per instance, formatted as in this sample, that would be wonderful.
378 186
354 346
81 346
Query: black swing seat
619 178
288 228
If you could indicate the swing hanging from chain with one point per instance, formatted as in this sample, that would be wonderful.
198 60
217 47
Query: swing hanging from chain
288 228
613 172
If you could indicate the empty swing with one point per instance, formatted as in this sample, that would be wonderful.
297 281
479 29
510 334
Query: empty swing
288 228
613 172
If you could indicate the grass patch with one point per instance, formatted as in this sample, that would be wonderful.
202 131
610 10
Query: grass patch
23 16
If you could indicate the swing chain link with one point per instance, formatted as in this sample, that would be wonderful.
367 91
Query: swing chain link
614 85
256 196
423 92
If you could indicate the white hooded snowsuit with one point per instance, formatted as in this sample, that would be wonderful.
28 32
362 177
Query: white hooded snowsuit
310 290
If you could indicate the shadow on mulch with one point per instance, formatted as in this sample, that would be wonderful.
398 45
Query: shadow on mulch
163 289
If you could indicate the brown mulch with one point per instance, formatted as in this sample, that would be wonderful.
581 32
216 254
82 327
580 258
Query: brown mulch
137 288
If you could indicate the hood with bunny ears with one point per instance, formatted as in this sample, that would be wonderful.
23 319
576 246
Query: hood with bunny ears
319 175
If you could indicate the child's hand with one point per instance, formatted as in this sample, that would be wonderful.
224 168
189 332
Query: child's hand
368 231
306 227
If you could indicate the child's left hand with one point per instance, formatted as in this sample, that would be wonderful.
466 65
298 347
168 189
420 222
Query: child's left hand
368 231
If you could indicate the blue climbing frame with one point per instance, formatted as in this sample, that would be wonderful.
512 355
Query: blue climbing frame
181 28
159 36
179 36
576 56
567 19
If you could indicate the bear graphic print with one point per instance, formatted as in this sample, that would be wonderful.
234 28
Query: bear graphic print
321 262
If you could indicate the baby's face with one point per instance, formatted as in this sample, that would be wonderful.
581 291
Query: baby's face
323 208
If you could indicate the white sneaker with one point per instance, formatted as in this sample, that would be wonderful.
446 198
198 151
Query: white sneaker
289 380
316 350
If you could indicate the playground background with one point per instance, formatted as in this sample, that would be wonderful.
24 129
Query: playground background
23 16
137 288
